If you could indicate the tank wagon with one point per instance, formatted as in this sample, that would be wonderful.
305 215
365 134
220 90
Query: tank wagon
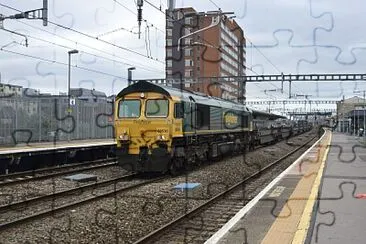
160 128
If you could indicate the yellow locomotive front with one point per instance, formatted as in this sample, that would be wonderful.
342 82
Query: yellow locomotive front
144 126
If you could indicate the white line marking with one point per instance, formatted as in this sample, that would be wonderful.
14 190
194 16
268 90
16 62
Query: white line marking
59 146
277 191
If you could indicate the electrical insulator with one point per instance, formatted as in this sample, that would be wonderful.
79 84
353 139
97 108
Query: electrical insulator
139 14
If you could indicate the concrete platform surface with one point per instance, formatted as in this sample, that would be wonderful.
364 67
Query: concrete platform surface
281 213
340 216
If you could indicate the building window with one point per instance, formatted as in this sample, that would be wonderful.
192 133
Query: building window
169 53
169 63
169 23
188 52
187 41
188 20
188 62
169 32
188 73
187 31
169 42
169 72
179 15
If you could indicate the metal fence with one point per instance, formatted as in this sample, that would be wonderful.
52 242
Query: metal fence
41 119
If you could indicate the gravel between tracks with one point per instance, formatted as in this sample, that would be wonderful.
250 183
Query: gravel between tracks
35 188
131 215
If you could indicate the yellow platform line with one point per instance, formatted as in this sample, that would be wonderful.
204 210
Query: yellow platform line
303 226
291 225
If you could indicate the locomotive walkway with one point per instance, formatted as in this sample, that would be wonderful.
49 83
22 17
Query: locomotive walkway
320 198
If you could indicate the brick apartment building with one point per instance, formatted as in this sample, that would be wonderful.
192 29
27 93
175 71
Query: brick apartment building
218 51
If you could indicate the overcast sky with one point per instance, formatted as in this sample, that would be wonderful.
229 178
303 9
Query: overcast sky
302 36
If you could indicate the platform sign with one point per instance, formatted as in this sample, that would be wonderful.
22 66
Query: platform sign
72 102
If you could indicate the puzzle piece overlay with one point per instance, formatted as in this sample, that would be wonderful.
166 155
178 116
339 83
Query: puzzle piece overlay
75 123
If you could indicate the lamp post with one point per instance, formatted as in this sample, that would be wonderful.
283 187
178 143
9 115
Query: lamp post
68 88
129 75
69 78
354 120
363 108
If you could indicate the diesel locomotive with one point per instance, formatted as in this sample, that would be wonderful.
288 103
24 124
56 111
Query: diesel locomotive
160 128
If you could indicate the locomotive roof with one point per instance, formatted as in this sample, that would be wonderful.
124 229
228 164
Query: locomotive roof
262 114
200 98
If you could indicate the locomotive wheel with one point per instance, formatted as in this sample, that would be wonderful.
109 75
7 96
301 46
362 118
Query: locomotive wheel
173 169
175 166
206 157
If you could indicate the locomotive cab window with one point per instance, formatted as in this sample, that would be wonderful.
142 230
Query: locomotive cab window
157 108
178 110
129 109
245 120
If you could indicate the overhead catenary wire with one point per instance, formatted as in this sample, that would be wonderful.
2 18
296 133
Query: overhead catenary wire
217 6
88 46
134 13
141 66
116 30
147 40
155 7
82 51
62 63
92 37
256 84
106 42
269 61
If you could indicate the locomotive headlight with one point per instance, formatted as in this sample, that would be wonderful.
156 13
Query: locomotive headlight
124 137
160 138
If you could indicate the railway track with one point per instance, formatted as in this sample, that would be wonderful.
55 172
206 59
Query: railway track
46 173
27 213
198 224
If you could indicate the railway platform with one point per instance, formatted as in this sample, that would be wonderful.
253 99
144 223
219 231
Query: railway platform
320 198
23 157
50 146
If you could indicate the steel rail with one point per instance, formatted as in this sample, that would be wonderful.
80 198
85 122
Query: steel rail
42 170
155 234
51 211
30 175
74 190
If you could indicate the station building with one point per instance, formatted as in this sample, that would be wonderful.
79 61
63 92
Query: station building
351 114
